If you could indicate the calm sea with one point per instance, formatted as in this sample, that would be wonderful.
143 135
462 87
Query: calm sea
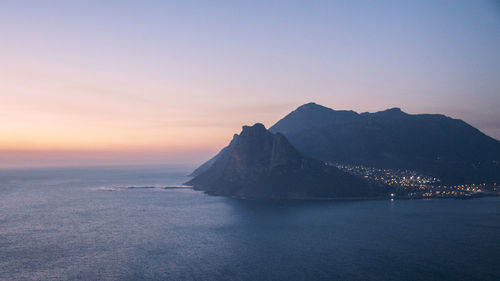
77 224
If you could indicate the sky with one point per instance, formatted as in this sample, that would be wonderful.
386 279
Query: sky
143 82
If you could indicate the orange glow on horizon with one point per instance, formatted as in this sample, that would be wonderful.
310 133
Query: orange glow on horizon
73 109
170 78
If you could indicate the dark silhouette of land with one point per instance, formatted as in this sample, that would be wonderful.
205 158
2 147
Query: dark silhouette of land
434 144
300 155
261 164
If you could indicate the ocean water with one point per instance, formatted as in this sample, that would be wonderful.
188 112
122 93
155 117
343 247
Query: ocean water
78 224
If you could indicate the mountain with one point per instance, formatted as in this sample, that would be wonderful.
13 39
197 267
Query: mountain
261 164
434 144
205 166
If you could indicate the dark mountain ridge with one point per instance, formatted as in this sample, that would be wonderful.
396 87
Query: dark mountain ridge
434 144
261 164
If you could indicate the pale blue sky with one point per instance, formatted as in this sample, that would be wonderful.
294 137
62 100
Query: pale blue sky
204 68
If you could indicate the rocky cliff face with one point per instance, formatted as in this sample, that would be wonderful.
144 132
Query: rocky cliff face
260 164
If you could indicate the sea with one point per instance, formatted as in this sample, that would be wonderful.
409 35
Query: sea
88 223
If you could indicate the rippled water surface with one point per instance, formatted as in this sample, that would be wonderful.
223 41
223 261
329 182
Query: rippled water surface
85 224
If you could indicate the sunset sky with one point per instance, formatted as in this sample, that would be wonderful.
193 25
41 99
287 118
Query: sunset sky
138 82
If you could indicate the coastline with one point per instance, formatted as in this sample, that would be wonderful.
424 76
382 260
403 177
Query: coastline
361 198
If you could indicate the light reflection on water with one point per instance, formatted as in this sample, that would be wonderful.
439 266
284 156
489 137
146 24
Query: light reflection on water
55 224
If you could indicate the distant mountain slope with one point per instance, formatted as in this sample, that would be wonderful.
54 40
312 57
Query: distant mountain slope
435 144
260 164
205 166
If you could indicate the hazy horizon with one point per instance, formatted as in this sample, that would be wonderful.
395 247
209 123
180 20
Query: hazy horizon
157 82
115 157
